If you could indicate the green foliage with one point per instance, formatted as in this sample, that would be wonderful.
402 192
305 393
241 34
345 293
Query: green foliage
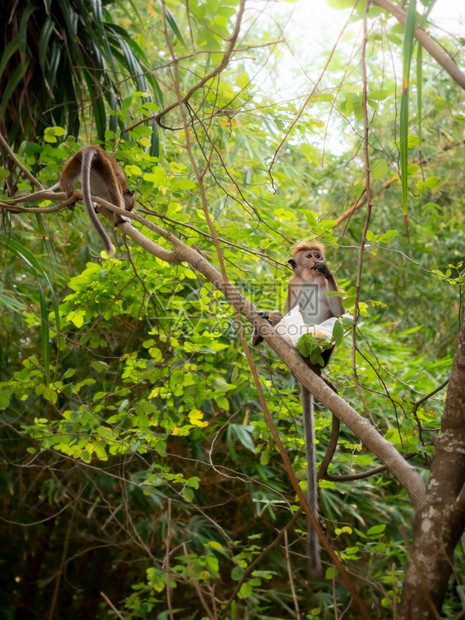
55 51
134 444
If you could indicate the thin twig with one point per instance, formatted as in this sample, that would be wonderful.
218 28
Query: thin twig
16 161
437 389
366 156
167 562
110 604
291 578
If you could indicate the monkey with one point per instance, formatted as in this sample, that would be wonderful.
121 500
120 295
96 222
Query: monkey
308 286
101 176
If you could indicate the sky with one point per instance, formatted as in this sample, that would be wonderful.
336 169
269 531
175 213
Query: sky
450 14
319 19
312 27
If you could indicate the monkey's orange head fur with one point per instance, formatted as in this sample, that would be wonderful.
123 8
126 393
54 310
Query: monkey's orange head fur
307 245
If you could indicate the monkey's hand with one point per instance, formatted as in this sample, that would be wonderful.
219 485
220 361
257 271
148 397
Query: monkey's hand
70 194
273 319
323 269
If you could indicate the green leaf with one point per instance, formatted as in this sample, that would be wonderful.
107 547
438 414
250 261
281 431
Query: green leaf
22 34
158 177
338 332
432 182
379 94
45 34
379 170
245 590
172 24
188 494
408 44
331 573
237 573
376 530
243 434
341 4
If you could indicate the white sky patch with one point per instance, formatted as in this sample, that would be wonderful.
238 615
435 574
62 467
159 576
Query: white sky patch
311 29
312 26
320 22
450 15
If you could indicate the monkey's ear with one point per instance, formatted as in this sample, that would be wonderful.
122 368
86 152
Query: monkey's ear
292 263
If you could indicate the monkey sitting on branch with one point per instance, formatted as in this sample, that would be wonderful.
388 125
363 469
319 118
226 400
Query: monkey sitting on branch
308 290
101 176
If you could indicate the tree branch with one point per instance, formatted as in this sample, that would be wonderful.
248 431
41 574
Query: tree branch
16 161
443 59
407 475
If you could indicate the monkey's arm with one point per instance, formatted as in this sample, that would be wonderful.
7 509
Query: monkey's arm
273 319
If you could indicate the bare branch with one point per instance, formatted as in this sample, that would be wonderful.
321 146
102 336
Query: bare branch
443 59
407 475
27 173
147 244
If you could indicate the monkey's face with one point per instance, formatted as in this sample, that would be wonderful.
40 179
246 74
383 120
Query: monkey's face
312 259
309 265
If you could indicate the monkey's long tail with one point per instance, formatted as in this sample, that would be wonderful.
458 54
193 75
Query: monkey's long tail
313 545
86 169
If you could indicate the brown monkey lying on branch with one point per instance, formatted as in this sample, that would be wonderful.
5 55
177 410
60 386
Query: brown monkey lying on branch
101 176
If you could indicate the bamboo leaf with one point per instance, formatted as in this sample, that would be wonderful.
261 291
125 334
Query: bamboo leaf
13 82
155 141
113 120
7 53
54 63
408 45
28 257
97 11
44 331
420 76
43 42
22 34
173 25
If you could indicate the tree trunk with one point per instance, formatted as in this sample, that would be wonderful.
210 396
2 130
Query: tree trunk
440 521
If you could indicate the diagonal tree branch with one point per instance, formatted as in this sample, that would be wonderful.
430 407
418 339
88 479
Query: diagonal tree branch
443 59
405 473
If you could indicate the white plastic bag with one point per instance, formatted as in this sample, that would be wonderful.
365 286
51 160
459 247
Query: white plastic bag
292 326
